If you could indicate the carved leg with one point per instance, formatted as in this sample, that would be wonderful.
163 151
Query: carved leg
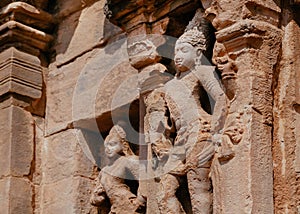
200 190
168 202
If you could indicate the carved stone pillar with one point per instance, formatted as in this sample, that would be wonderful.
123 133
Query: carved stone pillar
246 52
286 134
23 43
23 40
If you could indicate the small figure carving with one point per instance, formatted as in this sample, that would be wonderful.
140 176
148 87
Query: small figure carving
177 106
123 164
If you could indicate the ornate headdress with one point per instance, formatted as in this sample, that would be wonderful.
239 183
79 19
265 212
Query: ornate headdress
119 133
197 33
116 132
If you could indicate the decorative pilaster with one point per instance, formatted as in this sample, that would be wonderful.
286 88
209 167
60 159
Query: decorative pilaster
286 131
24 40
246 52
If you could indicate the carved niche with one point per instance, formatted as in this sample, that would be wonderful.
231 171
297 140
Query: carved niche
184 133
181 133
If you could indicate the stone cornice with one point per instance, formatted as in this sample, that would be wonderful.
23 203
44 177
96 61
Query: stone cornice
25 36
25 27
244 33
40 4
13 31
28 15
128 14
261 11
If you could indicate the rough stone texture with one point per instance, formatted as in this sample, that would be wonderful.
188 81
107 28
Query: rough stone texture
74 51
63 158
24 27
286 122
11 199
87 94
48 165
24 43
38 106
16 150
66 8
66 175
27 14
37 164
60 95
245 41
41 4
70 195
17 145
73 39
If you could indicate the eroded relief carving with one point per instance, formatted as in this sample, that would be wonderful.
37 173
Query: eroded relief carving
123 165
183 136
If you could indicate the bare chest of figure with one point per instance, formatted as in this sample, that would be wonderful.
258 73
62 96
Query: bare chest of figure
183 99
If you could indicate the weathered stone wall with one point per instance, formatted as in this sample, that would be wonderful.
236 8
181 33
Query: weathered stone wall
66 78
67 172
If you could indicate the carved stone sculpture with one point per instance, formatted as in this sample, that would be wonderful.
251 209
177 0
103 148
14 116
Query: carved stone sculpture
123 164
180 130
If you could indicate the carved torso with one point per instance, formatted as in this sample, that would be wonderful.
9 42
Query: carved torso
183 99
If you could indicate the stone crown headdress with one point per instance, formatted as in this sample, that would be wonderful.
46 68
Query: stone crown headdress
197 33
116 131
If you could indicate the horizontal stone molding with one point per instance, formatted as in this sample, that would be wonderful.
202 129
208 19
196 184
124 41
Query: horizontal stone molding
20 73
25 27
27 14
262 11
129 14
41 4
13 31
246 34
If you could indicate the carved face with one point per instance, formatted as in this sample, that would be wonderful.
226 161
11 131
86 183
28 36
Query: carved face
113 147
185 56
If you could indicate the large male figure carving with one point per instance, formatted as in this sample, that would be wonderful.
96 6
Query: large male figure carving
176 108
